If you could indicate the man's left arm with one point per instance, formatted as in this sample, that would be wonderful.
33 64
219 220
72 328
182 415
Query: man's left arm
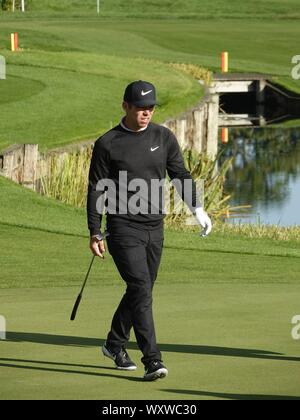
178 174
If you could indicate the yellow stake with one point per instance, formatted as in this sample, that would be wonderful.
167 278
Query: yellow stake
12 40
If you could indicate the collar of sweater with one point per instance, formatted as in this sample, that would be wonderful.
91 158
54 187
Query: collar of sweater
128 129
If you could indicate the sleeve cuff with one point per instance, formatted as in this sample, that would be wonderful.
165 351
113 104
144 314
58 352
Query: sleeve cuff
95 231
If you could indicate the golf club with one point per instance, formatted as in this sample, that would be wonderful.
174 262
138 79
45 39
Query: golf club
203 233
78 300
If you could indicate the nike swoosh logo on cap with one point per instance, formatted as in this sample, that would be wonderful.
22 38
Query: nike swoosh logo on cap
154 148
146 93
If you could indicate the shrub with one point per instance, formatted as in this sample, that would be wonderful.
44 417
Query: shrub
8 4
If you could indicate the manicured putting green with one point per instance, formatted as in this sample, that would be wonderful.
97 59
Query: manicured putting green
223 308
218 342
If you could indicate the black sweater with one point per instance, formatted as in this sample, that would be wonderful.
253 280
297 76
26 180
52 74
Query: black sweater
146 155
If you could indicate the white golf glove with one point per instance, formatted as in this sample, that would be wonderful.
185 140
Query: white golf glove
203 220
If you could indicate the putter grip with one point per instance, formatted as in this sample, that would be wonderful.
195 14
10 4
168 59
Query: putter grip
73 315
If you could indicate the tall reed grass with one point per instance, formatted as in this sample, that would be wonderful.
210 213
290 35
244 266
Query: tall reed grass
67 177
67 180
255 231
277 233
199 73
215 201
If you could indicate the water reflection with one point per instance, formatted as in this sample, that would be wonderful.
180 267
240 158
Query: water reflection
265 172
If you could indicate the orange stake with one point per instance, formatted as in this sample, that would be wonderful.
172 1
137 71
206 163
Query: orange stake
224 135
16 41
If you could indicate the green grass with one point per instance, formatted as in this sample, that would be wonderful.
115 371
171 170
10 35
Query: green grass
24 208
231 343
72 71
78 95
223 305
223 308
167 8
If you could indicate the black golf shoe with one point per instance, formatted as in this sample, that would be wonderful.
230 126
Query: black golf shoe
155 370
121 359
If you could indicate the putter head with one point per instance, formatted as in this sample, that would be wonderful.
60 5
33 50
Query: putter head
105 234
102 236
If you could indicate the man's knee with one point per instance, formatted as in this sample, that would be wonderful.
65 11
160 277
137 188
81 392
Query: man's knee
139 294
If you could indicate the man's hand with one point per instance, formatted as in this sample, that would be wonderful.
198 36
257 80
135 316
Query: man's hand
203 220
97 247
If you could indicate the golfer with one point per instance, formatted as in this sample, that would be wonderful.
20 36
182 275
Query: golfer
135 152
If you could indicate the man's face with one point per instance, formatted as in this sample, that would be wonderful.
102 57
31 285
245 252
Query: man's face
137 117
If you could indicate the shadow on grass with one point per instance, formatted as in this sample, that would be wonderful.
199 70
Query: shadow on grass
224 395
50 367
222 251
63 340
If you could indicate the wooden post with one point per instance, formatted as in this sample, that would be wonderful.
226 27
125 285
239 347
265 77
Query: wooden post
191 129
198 130
2 328
30 165
260 91
13 163
180 132
2 68
19 163
260 101
7 163
212 126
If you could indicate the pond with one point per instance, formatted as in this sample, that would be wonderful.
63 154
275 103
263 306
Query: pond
265 174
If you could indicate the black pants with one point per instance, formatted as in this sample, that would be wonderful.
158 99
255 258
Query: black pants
136 253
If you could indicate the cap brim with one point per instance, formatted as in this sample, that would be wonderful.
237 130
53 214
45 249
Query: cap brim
142 104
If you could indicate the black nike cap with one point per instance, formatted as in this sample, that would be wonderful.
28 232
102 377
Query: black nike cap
140 93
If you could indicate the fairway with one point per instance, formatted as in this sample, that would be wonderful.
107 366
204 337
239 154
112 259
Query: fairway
71 71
